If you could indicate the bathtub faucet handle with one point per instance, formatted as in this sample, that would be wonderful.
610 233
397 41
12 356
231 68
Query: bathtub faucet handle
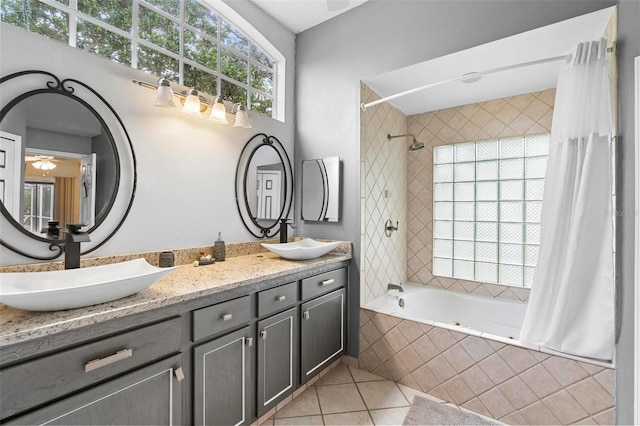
392 286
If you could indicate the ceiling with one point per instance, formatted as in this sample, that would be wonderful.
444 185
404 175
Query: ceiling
545 42
299 15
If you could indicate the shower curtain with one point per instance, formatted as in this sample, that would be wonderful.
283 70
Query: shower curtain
571 305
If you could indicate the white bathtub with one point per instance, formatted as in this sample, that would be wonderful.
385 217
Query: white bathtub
467 313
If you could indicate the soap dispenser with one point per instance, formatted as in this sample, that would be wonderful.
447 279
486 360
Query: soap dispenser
219 251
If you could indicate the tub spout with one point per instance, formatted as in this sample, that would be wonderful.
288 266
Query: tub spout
392 286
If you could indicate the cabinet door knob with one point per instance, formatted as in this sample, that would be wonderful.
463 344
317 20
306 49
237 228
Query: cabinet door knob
305 315
263 334
249 341
179 374
227 317
327 282
103 362
280 298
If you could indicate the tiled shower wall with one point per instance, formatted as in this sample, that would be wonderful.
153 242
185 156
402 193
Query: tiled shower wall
502 381
520 115
383 197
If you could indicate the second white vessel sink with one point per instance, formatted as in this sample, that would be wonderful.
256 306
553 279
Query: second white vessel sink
76 288
302 250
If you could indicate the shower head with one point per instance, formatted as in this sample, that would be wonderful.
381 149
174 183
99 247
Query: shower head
415 145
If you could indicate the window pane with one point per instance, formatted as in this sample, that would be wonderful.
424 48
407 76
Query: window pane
530 255
487 212
232 93
465 152
511 211
231 37
200 50
487 231
510 274
443 229
261 103
443 248
511 233
443 192
534 189
512 169
202 80
443 211
464 211
262 79
533 211
442 267
261 57
463 269
37 18
172 7
511 253
487 150
201 18
464 230
443 154
464 172
537 145
464 191
512 190
536 167
463 250
158 30
487 170
233 66
486 272
532 233
487 252
117 12
511 148
529 274
487 191
103 43
443 173
158 64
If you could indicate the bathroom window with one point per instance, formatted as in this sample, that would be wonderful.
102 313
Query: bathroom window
487 199
186 41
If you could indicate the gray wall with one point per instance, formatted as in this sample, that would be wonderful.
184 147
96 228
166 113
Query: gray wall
380 36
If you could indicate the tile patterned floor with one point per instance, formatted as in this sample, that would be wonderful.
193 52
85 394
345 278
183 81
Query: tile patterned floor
348 396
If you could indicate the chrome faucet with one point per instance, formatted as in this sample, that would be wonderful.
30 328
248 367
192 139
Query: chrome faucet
392 286
72 245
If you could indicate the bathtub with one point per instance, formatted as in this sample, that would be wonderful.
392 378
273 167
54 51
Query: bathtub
467 313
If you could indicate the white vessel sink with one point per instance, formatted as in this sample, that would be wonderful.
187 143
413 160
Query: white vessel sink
75 288
303 249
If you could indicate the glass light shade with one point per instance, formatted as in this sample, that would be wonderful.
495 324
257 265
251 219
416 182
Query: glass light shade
192 102
242 118
164 94
44 164
218 111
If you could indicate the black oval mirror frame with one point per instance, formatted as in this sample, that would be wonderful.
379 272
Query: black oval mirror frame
68 87
250 217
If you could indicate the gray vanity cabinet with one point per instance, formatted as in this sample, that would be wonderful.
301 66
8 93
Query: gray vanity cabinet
222 380
148 396
277 358
321 332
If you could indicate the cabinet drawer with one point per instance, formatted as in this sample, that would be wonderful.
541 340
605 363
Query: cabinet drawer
223 316
34 382
323 283
276 299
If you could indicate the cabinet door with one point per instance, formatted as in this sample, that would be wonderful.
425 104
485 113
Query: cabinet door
222 380
277 358
322 332
147 396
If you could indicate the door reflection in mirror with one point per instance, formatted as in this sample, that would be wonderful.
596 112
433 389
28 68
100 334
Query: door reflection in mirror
321 190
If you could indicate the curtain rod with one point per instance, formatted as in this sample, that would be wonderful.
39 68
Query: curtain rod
470 77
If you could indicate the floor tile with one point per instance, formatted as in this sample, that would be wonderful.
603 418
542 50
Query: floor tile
336 376
306 404
340 398
352 418
364 376
300 421
389 416
409 393
382 395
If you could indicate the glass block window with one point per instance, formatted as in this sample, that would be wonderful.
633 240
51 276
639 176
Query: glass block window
487 199
185 41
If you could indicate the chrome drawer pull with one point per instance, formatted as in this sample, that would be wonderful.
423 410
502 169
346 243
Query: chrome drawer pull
280 298
263 334
179 374
327 282
227 317
305 315
102 362
249 341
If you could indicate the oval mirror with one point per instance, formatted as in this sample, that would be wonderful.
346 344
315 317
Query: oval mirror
264 185
66 157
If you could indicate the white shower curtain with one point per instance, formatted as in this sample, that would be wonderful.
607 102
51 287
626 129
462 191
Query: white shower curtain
571 305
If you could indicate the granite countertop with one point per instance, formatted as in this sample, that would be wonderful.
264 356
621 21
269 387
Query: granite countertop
184 284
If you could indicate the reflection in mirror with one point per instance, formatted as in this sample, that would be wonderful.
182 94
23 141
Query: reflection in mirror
321 190
66 163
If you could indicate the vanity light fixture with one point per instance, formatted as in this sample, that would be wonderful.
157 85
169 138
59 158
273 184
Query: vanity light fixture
218 111
196 104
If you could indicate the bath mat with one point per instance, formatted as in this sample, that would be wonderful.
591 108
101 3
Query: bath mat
427 412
